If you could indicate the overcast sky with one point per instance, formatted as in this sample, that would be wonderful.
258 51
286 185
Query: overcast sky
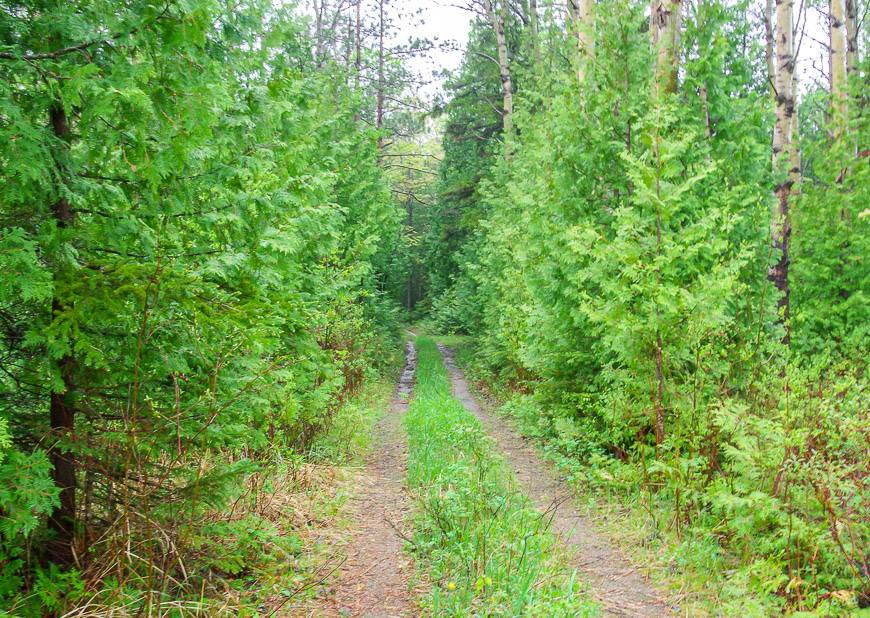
442 21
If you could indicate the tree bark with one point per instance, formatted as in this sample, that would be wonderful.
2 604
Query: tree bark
379 113
705 103
837 61
660 393
319 8
61 408
535 33
348 46
358 42
851 36
665 37
498 19
768 40
409 206
784 158
585 37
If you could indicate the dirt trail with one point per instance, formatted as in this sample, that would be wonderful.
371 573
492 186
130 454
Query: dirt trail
374 579
615 583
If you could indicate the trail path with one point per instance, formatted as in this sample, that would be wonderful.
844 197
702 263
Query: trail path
614 581
374 579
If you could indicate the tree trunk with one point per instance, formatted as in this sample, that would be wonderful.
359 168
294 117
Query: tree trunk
319 8
837 61
783 154
348 46
61 409
660 393
379 113
665 36
410 224
768 40
851 36
705 103
585 37
358 42
535 33
498 19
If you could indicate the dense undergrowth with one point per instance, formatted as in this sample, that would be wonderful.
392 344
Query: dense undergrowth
262 552
699 556
480 541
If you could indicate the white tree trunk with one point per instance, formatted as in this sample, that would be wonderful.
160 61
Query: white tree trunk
784 158
851 36
665 37
585 37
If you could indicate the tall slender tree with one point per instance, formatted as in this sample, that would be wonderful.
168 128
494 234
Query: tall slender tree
62 406
664 37
851 36
837 60
497 13
784 160
534 32
379 95
769 44
665 16
585 36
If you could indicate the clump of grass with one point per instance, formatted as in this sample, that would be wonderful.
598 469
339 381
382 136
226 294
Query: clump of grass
486 550
347 437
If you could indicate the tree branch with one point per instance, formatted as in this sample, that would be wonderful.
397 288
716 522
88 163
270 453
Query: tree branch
82 46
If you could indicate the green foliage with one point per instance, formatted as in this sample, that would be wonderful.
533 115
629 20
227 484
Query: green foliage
614 265
831 272
486 549
235 547
348 434
26 494
211 296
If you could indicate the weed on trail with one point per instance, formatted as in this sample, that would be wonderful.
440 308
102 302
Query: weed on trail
486 550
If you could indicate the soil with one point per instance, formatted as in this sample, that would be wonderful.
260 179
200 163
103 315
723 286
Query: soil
374 579
614 582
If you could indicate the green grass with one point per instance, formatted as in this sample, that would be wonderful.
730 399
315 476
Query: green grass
485 549
347 438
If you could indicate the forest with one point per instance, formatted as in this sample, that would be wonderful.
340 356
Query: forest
298 320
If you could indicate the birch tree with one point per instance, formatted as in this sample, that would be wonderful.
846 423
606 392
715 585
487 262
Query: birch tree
851 7
783 152
581 14
665 37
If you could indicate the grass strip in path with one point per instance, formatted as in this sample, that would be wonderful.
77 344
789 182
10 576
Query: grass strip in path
487 551
614 581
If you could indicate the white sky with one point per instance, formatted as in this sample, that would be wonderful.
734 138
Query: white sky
442 22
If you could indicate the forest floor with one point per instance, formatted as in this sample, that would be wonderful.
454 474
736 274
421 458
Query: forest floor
374 578
614 582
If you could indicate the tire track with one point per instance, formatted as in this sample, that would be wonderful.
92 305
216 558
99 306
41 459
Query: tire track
374 579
